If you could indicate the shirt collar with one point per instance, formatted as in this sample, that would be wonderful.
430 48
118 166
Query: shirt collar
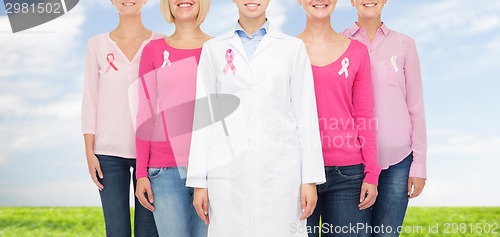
355 28
262 31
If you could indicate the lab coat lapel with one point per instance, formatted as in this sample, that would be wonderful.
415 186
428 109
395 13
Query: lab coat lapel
235 42
272 35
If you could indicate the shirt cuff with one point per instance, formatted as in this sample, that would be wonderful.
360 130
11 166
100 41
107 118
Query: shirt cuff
141 173
314 180
371 178
196 182
418 170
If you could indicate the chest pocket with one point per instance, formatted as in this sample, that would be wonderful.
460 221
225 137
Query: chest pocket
389 70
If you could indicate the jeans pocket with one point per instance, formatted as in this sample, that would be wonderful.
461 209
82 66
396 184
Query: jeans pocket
352 172
154 172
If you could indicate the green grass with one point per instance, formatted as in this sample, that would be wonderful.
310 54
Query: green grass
51 222
83 222
453 222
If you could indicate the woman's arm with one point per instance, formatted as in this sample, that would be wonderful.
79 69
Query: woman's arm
415 103
363 104
146 121
303 100
89 112
364 118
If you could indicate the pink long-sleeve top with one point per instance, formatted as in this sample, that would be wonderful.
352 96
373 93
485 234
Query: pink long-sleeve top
344 96
398 93
106 105
166 106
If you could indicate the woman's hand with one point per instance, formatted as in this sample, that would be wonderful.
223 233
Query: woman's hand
368 196
415 187
144 186
94 169
308 198
200 203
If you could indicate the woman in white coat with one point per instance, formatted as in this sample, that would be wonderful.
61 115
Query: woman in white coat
255 170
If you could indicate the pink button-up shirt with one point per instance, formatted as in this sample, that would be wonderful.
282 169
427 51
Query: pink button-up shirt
107 105
399 102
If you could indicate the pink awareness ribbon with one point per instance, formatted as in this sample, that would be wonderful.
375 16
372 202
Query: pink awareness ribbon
111 58
229 60
345 66
166 60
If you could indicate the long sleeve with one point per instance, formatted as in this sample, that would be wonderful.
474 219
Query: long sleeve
415 103
147 110
90 91
363 103
303 100
200 140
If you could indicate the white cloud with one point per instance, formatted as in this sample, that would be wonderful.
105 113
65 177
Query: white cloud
3 160
23 102
460 170
75 193
454 191
494 44
434 21
224 14
455 38
277 11
221 18
343 4
45 49
39 104
467 145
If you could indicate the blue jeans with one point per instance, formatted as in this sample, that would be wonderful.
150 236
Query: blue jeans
174 211
338 201
390 208
115 200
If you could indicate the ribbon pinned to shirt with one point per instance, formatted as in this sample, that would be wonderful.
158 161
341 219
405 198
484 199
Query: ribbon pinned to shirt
345 66
166 59
394 64
111 59
229 60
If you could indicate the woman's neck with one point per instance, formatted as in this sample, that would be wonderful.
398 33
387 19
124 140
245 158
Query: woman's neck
251 25
130 27
370 25
318 31
187 31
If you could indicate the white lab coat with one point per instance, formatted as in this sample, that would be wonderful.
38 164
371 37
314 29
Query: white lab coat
254 175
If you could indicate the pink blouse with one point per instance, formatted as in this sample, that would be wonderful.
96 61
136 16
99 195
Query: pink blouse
107 104
399 102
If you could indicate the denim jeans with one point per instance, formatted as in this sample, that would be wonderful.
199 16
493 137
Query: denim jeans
390 208
174 211
338 201
115 200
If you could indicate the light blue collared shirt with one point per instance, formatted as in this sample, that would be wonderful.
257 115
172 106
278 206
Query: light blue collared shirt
250 43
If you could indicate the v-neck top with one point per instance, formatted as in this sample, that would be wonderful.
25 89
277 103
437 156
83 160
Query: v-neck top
344 97
106 107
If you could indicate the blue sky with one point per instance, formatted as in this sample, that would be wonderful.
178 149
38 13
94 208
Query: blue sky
42 160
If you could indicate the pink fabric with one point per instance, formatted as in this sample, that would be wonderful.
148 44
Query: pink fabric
345 111
166 106
106 102
399 103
